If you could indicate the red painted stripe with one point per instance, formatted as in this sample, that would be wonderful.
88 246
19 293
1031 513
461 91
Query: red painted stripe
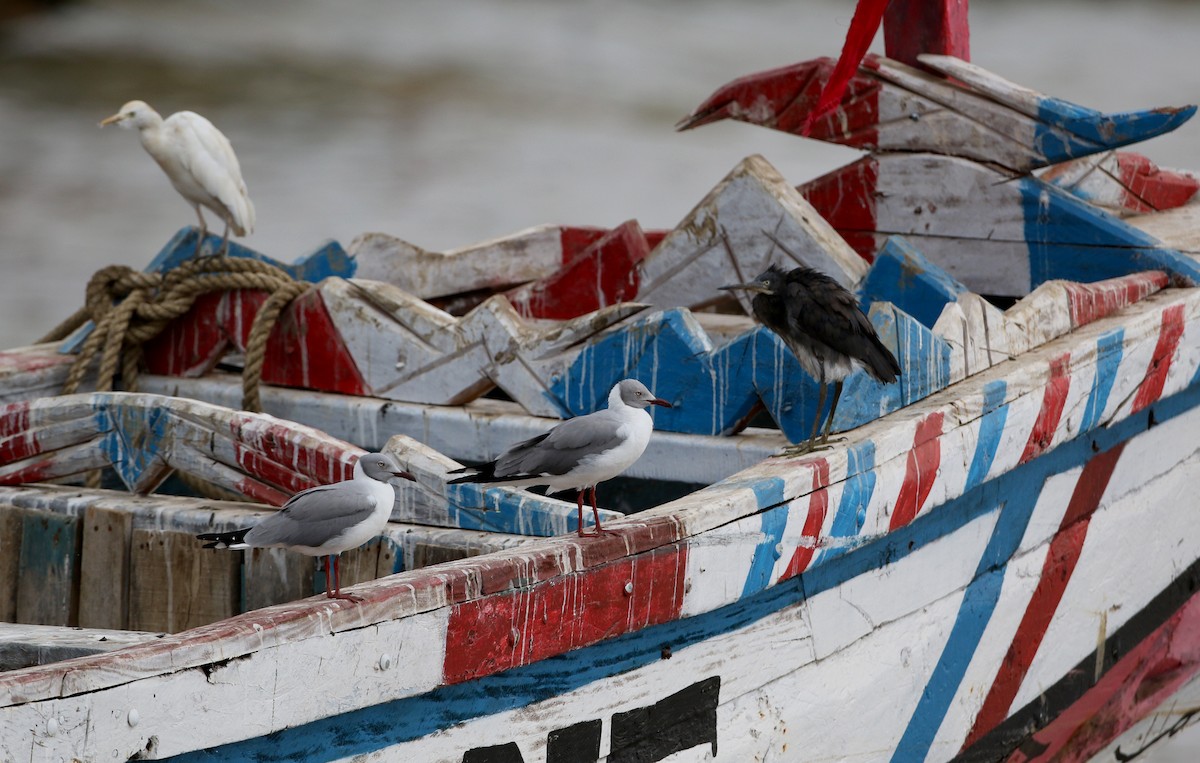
913 27
47 468
286 479
1141 681
1089 302
1149 188
1060 562
846 198
603 274
18 447
252 488
498 632
818 505
14 418
921 472
323 462
1053 400
192 344
1160 363
868 14
575 240
305 350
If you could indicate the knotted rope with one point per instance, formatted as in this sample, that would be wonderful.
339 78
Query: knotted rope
129 307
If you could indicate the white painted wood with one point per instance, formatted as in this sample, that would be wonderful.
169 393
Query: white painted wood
477 431
808 709
968 203
919 110
526 255
1177 228
1023 99
722 240
24 645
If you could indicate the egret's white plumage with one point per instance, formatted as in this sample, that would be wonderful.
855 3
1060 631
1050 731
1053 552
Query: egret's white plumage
197 159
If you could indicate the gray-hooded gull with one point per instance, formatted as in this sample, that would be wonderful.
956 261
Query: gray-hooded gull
580 452
326 520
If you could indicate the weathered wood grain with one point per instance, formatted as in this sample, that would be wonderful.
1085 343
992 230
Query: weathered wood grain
966 112
523 256
48 571
24 645
1124 183
755 561
176 585
104 568
997 233
274 576
913 27
723 240
11 523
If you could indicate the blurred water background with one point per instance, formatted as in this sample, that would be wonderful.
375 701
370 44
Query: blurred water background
446 123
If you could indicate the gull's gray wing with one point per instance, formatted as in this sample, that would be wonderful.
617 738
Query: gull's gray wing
315 516
562 448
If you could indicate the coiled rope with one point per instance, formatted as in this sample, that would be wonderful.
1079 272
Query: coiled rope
129 307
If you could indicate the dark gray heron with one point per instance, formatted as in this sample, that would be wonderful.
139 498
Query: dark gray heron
326 520
579 453
822 324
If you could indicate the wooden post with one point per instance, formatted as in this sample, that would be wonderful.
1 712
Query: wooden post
175 584
10 551
104 569
48 574
913 27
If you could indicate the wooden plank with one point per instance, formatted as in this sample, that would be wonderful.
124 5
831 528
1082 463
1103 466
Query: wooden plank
913 27
104 568
1124 183
705 522
890 106
48 577
722 241
175 584
903 276
24 645
997 234
275 576
409 350
603 274
526 255
11 522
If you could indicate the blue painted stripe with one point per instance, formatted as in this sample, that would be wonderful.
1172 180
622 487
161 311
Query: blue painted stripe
1016 506
851 512
1068 238
523 514
377 727
1110 349
903 276
1065 130
991 430
768 549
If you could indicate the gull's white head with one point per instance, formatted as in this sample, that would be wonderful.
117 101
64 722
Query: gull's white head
133 115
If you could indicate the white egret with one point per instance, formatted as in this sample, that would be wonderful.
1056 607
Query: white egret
199 162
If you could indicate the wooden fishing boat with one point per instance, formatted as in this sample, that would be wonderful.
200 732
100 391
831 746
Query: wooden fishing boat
996 560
